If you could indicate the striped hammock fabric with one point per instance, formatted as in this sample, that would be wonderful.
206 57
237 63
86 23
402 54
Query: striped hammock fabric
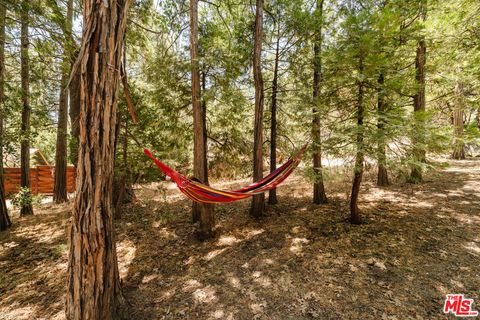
202 193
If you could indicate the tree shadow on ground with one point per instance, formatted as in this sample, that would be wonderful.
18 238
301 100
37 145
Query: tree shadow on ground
33 258
303 261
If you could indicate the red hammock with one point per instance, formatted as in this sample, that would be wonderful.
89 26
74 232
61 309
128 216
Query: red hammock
200 192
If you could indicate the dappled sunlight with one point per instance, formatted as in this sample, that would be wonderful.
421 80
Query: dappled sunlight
297 245
205 295
299 260
468 170
191 260
16 312
252 233
167 234
151 277
457 284
220 314
261 279
423 204
258 308
473 248
227 240
466 218
191 285
212 254
234 281
165 295
41 232
126 250
268 261
7 246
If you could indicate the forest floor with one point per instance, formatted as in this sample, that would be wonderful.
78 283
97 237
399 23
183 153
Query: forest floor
302 261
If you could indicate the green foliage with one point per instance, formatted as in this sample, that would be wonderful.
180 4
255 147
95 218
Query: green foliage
25 198
382 34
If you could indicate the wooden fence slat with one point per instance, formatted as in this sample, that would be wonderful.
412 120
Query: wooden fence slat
42 179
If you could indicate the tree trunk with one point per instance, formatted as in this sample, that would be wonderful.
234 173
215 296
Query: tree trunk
204 110
382 176
26 209
358 170
120 183
74 113
418 138
60 183
93 290
5 222
203 212
459 107
319 195
272 195
4 218
258 201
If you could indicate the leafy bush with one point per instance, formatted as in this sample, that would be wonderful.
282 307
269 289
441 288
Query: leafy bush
25 197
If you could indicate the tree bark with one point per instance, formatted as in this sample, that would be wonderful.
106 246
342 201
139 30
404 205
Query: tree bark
258 201
93 290
272 194
74 112
5 222
26 209
201 211
119 180
319 195
418 138
60 183
458 111
359 159
382 176
204 110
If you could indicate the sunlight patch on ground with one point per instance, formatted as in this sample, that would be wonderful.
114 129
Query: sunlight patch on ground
234 281
297 245
50 237
218 314
422 204
167 234
260 279
227 240
466 170
455 193
472 246
41 232
7 246
126 250
457 284
18 313
191 260
149 278
191 285
258 307
252 233
212 254
465 218
205 295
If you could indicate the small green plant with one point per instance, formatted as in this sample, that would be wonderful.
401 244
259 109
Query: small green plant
24 197
165 213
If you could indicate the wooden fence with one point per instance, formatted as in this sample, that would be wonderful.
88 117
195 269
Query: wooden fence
41 179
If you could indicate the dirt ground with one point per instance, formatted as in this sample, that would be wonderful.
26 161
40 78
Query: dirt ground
302 261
